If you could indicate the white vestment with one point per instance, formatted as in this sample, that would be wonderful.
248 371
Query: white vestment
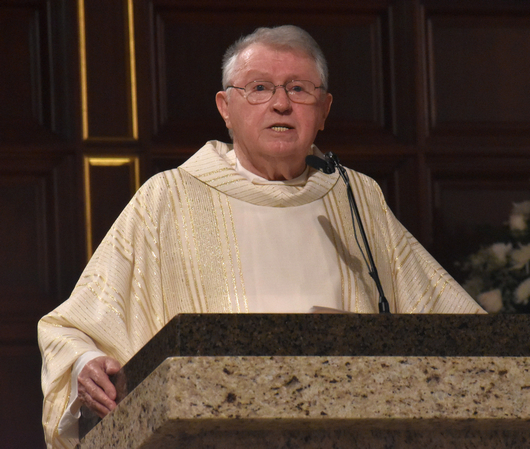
203 238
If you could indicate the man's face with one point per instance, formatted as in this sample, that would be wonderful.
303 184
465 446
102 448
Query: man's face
272 139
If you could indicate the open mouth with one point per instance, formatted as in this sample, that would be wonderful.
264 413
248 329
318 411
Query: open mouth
280 128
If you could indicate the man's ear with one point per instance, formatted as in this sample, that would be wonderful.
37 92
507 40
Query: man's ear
325 109
221 100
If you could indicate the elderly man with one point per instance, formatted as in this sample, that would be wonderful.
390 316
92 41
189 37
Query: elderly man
243 228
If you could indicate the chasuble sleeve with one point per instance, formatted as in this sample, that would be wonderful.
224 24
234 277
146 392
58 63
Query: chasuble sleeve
413 281
116 306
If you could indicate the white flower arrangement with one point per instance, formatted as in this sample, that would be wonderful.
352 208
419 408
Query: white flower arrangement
498 275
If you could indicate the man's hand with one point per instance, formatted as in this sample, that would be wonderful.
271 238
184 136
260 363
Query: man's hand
95 390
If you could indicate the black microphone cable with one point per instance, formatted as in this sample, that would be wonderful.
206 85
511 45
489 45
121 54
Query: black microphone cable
328 166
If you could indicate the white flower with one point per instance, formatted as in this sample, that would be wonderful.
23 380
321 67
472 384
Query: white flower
522 293
517 222
501 250
491 301
520 215
521 256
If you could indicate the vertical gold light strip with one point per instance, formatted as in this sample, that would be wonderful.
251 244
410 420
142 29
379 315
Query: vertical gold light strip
132 68
88 206
107 161
82 66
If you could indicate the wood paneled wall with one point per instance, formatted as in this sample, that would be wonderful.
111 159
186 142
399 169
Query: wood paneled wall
431 98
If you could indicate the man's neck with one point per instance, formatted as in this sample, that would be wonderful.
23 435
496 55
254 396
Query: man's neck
257 179
274 169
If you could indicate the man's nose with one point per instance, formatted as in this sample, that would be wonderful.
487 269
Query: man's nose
280 99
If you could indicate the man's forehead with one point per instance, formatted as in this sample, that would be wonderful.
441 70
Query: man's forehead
258 60
258 51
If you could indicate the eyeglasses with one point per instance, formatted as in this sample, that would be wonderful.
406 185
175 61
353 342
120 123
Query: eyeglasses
298 91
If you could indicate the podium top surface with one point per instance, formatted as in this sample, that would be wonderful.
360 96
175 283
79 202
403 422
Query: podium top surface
440 335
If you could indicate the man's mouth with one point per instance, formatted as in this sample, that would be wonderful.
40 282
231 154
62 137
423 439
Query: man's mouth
280 129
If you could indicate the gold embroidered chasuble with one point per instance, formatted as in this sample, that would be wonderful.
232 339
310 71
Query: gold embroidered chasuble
174 249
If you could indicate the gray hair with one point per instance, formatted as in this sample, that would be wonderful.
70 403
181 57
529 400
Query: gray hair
288 37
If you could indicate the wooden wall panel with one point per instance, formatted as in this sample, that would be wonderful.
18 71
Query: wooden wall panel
38 266
36 236
25 103
25 236
39 257
20 414
35 75
478 74
108 80
21 85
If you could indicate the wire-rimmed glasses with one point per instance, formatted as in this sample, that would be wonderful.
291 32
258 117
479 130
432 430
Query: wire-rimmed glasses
298 91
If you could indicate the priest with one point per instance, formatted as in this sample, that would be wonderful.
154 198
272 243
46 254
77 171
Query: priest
245 227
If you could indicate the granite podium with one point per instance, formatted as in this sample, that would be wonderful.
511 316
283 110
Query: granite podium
324 381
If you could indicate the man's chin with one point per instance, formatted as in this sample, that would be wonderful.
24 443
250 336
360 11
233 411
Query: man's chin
283 149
